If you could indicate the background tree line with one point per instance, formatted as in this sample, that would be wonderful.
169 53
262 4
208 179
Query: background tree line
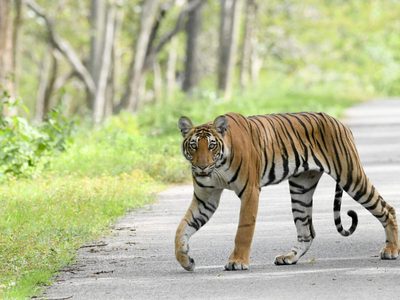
99 57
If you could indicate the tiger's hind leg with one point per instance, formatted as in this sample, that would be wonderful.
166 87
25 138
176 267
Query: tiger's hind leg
302 189
366 194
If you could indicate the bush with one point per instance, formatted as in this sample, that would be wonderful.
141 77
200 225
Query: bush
24 149
118 146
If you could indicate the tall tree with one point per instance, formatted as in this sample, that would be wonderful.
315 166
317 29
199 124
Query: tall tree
131 97
193 28
6 49
146 51
105 63
18 21
113 77
228 38
249 27
97 23
171 69
43 84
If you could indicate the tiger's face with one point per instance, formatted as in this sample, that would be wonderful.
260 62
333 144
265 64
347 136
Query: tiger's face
203 146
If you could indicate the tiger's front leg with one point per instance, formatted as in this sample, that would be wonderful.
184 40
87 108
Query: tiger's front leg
199 213
240 257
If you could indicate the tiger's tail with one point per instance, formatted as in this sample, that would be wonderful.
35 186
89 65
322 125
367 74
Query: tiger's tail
336 214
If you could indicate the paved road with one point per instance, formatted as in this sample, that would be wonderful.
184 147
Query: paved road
138 261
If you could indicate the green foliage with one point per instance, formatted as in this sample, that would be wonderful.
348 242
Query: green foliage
342 43
24 149
42 222
117 147
275 96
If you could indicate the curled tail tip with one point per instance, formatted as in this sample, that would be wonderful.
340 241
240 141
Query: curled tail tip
354 223
353 215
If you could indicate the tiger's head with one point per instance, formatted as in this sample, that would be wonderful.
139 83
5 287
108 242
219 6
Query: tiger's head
204 145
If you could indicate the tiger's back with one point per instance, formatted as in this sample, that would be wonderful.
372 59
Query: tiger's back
289 144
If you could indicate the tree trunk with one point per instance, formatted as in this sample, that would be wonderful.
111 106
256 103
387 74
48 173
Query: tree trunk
153 50
99 104
131 99
52 81
6 52
230 14
171 69
193 28
18 21
97 23
110 91
114 83
157 82
256 60
43 84
247 43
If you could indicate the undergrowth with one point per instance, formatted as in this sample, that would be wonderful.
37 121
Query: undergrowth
44 220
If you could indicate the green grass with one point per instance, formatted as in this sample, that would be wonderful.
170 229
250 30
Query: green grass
44 220
111 169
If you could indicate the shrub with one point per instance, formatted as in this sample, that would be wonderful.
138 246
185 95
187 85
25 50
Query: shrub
25 149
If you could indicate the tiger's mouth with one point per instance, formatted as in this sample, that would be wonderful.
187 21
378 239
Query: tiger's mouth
203 173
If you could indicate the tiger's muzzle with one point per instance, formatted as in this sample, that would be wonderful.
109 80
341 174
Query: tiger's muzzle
202 170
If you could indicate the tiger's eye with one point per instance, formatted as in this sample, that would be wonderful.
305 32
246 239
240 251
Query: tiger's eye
212 146
193 146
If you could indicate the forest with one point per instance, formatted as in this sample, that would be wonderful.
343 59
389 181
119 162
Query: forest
91 92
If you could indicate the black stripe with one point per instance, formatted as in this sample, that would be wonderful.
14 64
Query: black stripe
241 192
302 203
373 206
193 223
324 155
362 191
232 154
235 176
303 190
296 154
202 185
301 219
212 208
371 195
234 119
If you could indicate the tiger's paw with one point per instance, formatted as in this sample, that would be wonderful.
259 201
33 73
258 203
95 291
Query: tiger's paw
190 265
186 261
289 259
236 265
389 253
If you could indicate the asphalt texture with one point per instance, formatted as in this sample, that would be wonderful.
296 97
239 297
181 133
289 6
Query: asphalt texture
137 260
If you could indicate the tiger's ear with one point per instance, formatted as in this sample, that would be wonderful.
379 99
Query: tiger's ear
220 125
185 125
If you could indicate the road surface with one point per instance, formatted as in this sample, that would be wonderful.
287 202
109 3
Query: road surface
138 261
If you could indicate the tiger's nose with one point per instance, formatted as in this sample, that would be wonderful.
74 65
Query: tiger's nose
202 166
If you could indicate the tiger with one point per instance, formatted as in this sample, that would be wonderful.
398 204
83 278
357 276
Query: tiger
245 154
